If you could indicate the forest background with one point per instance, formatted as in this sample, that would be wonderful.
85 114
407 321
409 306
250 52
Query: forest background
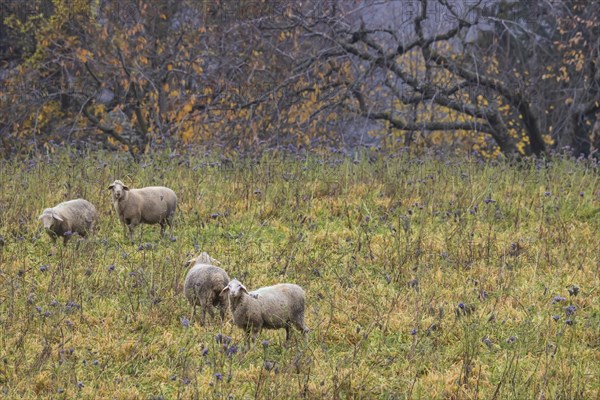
486 76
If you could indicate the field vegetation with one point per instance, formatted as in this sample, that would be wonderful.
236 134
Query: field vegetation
425 277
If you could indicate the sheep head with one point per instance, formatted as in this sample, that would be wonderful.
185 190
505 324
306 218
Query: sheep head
203 258
49 218
118 188
234 288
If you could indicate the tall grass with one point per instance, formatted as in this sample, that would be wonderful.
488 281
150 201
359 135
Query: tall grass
425 278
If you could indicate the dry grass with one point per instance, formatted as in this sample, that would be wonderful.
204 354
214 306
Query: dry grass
425 279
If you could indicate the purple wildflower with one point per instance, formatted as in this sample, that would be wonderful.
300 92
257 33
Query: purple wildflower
570 310
573 290
71 305
204 352
219 376
44 268
413 331
557 299
232 350
486 340
569 322
185 322
556 317
222 339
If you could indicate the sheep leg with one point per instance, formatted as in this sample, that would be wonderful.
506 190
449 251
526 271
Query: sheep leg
299 323
247 332
211 313
130 228
170 223
203 319
162 228
193 312
287 333
255 333
251 336
222 312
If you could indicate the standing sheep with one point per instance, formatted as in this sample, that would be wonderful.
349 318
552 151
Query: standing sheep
271 307
204 284
73 216
149 205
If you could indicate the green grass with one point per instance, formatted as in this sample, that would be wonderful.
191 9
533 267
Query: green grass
425 279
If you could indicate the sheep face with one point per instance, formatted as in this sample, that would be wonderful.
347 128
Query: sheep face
118 189
235 289
49 218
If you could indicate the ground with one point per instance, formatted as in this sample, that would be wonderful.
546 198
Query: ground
425 278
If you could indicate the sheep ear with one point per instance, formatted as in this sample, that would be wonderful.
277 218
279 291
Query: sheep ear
244 288
215 262
225 289
112 185
125 187
57 217
189 262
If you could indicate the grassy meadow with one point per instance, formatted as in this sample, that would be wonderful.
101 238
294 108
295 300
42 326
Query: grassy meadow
425 279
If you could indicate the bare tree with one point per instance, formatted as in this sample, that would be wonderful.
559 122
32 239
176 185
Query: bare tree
488 75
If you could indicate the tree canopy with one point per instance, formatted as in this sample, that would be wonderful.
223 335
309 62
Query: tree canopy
486 76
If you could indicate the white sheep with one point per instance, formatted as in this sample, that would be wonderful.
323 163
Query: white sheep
70 217
149 205
272 307
204 284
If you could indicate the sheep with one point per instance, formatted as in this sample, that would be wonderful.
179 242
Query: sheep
204 284
149 205
271 307
73 216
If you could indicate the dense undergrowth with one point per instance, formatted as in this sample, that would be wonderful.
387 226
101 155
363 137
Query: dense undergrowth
425 278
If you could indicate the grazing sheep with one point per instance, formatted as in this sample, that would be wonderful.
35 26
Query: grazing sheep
73 216
204 284
149 205
271 307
